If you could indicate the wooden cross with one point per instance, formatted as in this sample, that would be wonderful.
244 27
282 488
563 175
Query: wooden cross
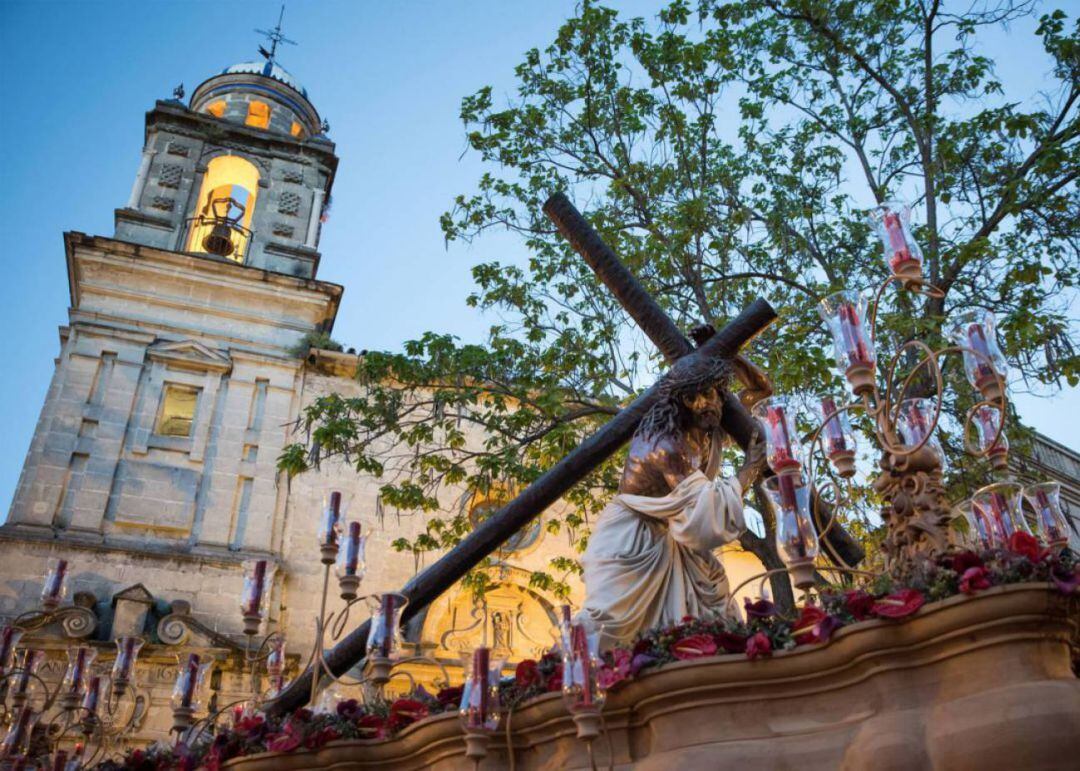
428 585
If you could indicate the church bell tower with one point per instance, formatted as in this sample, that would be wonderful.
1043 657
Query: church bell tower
242 173
182 363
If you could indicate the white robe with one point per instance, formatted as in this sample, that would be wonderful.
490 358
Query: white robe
649 561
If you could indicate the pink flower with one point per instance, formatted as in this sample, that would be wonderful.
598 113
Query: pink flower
693 647
758 645
617 671
974 580
899 604
284 742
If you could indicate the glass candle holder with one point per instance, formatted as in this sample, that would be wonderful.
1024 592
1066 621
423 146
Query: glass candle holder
844 313
915 425
984 363
335 503
24 683
993 445
275 664
837 437
188 690
1045 500
1000 506
777 417
796 539
17 740
55 589
9 641
92 698
350 565
255 597
127 652
479 709
78 669
892 221
384 639
581 668
980 533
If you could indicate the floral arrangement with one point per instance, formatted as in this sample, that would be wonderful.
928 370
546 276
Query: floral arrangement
765 630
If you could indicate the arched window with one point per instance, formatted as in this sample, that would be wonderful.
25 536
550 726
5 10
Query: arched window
297 130
217 109
221 222
258 115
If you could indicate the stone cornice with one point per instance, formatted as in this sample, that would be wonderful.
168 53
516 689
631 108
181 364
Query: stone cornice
95 542
198 270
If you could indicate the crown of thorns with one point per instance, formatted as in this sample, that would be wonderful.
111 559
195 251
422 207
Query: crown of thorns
685 380
689 377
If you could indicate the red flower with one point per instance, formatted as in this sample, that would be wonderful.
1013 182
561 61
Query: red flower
372 726
899 604
731 642
859 604
449 697
554 683
406 711
974 579
527 673
693 647
321 737
758 645
687 620
964 560
642 646
285 742
1026 545
806 628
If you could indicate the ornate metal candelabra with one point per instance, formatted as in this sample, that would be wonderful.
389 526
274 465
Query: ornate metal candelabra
86 716
904 413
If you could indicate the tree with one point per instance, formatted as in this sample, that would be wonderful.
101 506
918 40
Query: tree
725 150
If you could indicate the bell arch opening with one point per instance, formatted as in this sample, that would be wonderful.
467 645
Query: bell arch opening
221 222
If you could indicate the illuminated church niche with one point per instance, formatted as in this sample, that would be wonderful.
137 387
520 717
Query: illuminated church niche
226 203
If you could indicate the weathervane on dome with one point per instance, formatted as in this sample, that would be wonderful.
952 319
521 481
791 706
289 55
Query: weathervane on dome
275 36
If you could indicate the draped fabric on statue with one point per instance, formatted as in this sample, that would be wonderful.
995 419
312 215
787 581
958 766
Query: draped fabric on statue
649 561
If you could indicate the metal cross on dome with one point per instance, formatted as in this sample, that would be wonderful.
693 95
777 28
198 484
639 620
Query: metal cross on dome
275 36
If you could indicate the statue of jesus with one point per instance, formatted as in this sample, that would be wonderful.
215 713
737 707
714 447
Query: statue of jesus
650 558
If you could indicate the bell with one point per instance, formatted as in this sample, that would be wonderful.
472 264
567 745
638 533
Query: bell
219 240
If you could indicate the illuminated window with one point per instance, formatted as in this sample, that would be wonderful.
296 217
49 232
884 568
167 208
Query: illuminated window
258 115
217 109
177 410
297 130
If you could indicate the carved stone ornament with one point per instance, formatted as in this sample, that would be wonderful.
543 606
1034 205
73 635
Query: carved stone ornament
180 626
916 513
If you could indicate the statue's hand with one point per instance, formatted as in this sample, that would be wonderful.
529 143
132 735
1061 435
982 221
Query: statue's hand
754 463
756 384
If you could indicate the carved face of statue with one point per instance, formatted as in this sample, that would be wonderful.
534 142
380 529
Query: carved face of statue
707 408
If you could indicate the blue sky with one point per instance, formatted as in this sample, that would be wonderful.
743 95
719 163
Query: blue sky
77 78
